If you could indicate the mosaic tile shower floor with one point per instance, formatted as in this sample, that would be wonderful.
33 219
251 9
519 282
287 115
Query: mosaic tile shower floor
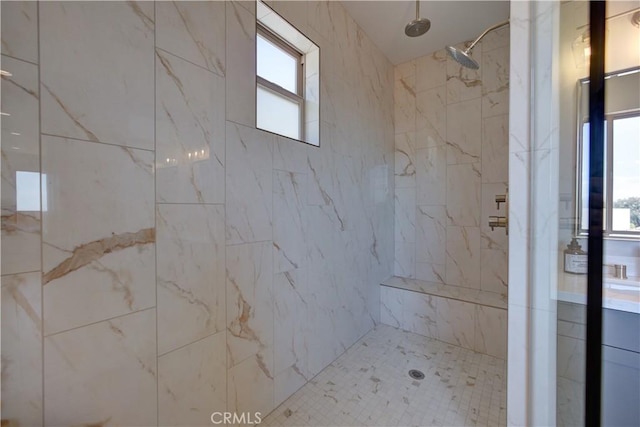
369 385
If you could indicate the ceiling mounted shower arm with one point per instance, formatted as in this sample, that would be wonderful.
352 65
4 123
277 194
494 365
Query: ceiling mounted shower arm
484 33
417 9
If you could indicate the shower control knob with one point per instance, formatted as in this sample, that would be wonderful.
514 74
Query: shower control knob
497 221
500 198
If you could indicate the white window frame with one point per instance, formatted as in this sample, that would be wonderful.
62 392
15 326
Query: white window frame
298 96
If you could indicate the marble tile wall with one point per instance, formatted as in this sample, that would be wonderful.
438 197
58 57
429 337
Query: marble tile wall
451 159
181 262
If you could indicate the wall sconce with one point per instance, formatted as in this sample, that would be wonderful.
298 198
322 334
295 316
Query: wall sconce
581 49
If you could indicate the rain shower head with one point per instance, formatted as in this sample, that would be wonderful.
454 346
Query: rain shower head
418 26
463 57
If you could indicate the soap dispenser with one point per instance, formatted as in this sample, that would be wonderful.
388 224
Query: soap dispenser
575 259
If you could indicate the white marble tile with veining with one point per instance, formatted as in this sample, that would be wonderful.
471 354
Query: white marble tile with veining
194 31
103 373
249 184
491 331
456 322
190 273
291 155
419 314
495 149
391 306
190 132
431 71
463 256
431 176
495 81
250 385
290 320
321 181
192 382
20 30
463 194
494 271
431 234
431 117
464 132
405 158
20 200
241 64
319 18
464 83
405 105
249 302
98 50
22 349
431 272
289 221
404 264
98 232
405 215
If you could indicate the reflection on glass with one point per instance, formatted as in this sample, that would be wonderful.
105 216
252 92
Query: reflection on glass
277 114
28 191
276 65
626 174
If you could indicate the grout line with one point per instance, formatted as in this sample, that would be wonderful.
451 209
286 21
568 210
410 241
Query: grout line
224 251
191 342
37 64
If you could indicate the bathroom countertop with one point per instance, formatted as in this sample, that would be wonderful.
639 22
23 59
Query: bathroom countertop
619 294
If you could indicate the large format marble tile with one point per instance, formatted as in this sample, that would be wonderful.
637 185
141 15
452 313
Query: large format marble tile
103 373
191 273
192 383
404 264
289 221
249 184
20 30
431 176
250 385
419 313
494 270
431 272
431 234
290 320
405 215
22 349
405 158
194 31
495 149
463 256
463 194
431 117
391 306
190 132
464 132
98 232
456 322
249 301
241 64
431 71
491 331
495 81
405 104
20 166
98 51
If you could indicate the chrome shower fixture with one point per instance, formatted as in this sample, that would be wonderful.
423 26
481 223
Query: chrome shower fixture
418 26
463 57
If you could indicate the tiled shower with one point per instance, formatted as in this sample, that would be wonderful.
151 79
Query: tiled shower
163 259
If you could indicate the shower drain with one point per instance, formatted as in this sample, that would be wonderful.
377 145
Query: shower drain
416 375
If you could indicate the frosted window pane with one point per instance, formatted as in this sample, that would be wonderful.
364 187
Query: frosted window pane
276 65
278 114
